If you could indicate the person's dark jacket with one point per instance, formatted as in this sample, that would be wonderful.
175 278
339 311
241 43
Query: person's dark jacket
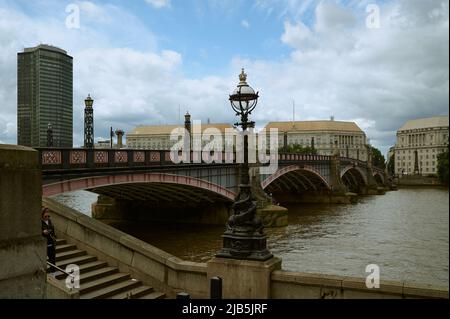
51 237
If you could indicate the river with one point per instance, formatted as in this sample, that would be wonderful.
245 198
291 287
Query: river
405 233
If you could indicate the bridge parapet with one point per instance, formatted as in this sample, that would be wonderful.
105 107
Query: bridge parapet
67 158
72 158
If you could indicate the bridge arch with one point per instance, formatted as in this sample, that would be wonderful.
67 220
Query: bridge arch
145 186
296 178
379 178
354 178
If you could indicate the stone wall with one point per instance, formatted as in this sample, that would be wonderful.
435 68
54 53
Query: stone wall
418 180
23 251
143 261
287 285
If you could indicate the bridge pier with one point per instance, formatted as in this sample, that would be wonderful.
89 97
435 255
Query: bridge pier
110 208
271 215
107 208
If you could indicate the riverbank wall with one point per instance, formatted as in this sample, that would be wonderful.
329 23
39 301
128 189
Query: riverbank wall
418 180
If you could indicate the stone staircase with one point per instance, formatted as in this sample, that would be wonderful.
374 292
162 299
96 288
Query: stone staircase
98 280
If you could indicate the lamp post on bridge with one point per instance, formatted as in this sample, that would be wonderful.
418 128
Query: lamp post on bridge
88 123
49 135
244 237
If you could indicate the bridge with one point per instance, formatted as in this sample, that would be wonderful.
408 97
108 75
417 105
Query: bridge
140 180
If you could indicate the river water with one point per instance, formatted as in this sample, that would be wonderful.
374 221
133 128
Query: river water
405 233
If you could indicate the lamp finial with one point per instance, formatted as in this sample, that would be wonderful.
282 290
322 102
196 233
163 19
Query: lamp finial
243 76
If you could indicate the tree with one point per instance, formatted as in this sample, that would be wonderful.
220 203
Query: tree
391 165
378 159
442 167
297 149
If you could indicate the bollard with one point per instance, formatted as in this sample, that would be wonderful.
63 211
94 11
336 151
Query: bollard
183 295
216 288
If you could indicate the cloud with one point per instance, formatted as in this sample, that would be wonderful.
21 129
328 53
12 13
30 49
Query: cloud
297 35
379 78
332 17
159 3
245 24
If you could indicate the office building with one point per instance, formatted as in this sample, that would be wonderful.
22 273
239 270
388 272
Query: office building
44 96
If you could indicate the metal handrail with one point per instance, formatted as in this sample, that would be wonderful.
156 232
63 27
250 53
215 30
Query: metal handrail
60 269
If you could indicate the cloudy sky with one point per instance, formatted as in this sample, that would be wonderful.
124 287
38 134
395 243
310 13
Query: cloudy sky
145 60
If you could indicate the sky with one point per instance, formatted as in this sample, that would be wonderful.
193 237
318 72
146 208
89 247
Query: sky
377 63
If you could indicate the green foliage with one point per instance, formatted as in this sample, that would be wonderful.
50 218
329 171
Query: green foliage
443 167
378 159
297 149
391 165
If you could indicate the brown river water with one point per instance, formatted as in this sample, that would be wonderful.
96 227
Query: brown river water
405 232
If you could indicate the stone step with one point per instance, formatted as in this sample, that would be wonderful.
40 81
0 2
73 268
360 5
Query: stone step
134 293
86 268
60 241
97 274
111 289
154 295
64 247
77 261
97 279
69 254
100 283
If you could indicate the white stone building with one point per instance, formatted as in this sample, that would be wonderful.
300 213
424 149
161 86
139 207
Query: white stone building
351 140
157 137
429 137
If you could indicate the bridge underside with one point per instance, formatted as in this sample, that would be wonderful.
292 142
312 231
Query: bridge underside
165 202
299 186
378 179
354 180
160 193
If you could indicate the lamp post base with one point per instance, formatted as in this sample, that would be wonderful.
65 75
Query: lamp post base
244 247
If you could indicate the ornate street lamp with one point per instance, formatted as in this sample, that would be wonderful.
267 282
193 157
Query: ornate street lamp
88 123
244 237
49 135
